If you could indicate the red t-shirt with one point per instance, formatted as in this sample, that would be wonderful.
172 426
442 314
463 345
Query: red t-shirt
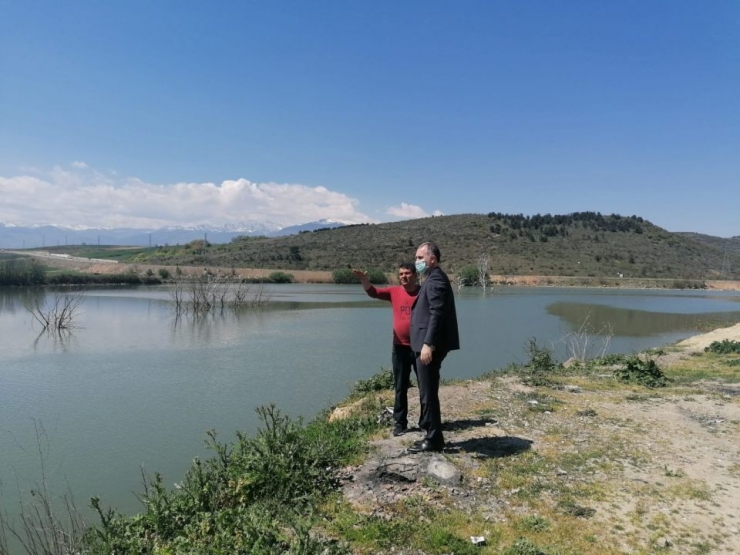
401 302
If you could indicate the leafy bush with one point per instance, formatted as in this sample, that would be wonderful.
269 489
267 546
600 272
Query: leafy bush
610 359
377 277
381 381
345 275
280 277
469 274
164 273
724 347
541 366
642 371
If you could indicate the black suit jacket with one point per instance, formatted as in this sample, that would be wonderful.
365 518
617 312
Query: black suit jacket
433 316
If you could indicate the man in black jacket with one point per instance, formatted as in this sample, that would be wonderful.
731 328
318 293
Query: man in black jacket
433 334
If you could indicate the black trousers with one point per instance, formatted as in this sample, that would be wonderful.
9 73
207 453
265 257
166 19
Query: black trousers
404 359
431 414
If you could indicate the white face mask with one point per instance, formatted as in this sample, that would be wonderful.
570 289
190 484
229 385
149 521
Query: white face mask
421 266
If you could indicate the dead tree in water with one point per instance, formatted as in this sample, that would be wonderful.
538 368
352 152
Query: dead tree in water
483 262
59 315
208 293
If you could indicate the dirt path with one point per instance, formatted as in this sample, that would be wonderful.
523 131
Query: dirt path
633 469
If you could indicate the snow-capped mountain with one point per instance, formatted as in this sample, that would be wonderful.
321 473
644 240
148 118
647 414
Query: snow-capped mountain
16 237
310 226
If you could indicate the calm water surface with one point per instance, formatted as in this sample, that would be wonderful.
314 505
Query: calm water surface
136 388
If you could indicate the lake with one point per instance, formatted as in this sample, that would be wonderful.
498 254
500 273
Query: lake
136 388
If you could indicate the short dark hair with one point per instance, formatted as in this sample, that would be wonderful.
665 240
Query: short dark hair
408 266
434 249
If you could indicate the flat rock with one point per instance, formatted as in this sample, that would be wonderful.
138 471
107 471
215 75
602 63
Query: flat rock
442 471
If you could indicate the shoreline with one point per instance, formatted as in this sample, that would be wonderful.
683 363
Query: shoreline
325 277
580 462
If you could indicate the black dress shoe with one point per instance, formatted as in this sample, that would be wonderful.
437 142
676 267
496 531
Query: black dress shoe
426 446
399 430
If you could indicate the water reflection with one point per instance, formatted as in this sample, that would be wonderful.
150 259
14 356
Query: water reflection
629 322
59 340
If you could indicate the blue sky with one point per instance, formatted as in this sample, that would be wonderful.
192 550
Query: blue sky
146 113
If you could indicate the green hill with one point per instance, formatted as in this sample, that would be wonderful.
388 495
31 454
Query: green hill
578 244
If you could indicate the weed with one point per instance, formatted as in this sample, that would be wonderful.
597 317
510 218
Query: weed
642 371
444 541
535 523
673 473
381 381
610 359
573 509
523 546
540 368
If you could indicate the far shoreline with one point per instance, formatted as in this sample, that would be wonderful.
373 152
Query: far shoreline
325 276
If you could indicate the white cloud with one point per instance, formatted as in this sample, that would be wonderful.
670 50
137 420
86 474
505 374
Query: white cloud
79 195
410 211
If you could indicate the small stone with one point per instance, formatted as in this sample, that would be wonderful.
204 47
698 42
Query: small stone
561 472
663 542
478 541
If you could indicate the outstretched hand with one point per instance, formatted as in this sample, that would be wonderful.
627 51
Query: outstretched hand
359 274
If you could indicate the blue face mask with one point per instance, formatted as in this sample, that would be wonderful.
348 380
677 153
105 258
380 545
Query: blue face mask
421 266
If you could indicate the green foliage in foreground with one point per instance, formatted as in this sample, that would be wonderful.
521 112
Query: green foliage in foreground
382 381
541 366
724 347
642 371
258 495
523 546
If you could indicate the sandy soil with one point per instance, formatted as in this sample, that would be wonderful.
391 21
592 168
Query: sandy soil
665 463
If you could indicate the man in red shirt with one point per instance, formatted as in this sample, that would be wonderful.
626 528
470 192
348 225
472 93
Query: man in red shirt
403 358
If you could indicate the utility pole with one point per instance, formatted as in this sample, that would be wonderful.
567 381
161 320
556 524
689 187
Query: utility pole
150 240
726 265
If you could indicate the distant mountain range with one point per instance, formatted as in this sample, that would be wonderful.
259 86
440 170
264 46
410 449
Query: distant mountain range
16 237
